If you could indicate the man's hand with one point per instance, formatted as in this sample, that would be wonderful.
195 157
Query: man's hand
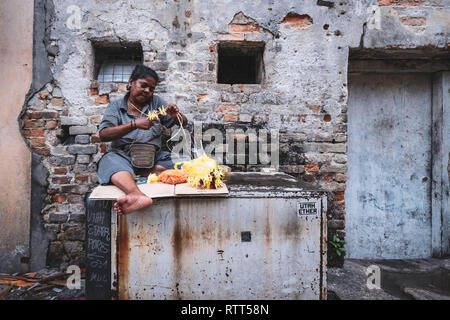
145 123
172 110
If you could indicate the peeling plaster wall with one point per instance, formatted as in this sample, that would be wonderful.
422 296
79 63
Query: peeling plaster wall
303 94
16 41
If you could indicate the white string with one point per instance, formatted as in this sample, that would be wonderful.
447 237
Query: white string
142 113
180 120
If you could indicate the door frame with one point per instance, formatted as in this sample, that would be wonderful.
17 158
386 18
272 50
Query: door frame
440 154
374 61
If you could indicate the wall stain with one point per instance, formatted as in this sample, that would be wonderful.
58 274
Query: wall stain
123 255
177 249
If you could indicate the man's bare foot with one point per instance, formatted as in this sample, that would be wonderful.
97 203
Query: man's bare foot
132 202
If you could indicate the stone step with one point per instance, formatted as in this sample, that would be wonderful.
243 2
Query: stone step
420 294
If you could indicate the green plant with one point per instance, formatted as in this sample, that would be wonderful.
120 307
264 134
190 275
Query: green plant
338 245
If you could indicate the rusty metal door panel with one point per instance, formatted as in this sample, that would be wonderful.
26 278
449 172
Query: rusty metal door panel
193 248
389 166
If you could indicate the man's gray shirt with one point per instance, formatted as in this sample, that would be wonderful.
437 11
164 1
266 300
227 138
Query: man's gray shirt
116 114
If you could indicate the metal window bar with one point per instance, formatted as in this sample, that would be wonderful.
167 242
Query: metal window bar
116 71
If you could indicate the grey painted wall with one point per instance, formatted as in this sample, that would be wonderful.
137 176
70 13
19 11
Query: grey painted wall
388 192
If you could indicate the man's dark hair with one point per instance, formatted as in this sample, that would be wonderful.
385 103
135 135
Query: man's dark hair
141 72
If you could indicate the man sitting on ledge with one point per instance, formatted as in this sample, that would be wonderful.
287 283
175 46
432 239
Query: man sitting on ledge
134 136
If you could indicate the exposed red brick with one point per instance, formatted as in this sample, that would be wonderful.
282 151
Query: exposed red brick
327 118
103 148
59 198
42 151
230 117
94 92
327 178
312 168
102 99
61 180
314 108
37 142
35 115
413 21
227 108
95 139
58 102
32 123
37 132
339 195
244 28
201 97
296 20
212 48
34 132
81 178
59 170
401 2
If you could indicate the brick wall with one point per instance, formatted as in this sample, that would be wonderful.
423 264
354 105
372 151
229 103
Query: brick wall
303 94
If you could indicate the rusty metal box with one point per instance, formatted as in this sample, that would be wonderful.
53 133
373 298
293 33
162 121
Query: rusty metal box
265 240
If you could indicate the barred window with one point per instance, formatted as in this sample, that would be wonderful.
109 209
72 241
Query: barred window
116 70
114 62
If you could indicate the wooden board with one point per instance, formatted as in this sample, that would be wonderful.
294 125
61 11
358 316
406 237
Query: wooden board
184 189
153 190
157 190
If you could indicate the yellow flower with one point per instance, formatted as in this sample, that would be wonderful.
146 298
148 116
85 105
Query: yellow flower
203 172
162 111
153 115
152 178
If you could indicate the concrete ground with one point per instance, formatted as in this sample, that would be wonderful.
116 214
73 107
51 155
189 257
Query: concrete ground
415 279
44 290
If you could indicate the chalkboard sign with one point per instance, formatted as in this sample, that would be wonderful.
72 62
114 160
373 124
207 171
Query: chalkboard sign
98 249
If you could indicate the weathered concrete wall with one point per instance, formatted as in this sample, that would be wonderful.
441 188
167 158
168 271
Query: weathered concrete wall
16 50
303 94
